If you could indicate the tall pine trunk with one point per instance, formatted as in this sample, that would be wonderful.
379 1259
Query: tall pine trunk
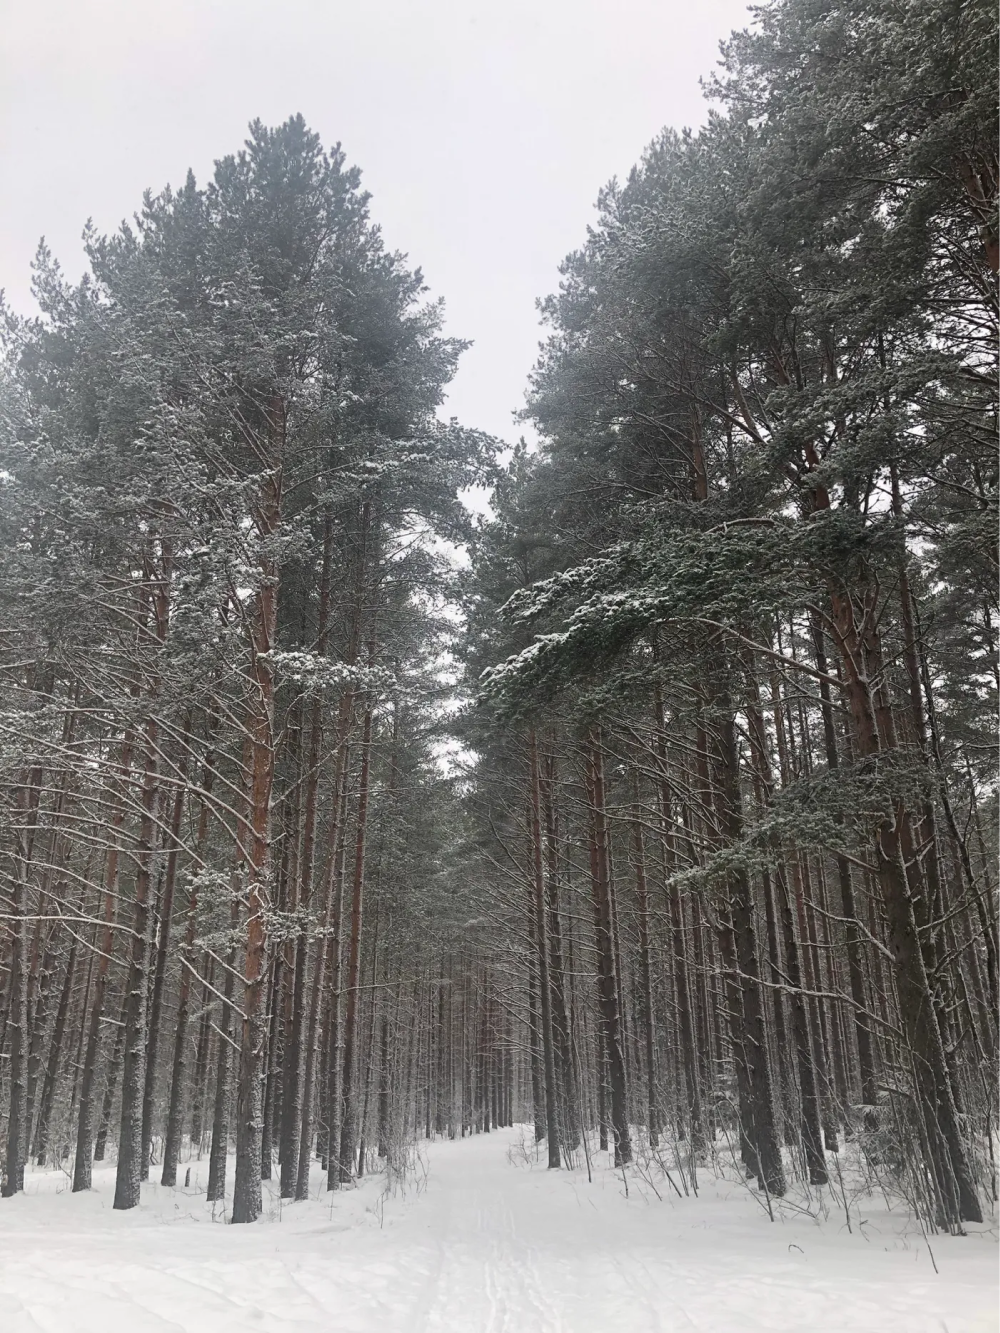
348 1128
260 729
608 988
542 955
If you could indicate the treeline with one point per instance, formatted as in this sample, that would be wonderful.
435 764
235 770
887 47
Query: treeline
738 620
223 649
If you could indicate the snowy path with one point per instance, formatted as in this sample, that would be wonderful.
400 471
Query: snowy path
490 1244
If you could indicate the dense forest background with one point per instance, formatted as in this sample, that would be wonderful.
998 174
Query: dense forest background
658 806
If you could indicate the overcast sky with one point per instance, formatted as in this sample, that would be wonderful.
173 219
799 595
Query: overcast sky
483 130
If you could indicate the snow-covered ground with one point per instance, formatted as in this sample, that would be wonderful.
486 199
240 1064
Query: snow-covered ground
487 1242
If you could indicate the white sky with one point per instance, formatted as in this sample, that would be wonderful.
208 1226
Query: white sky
483 131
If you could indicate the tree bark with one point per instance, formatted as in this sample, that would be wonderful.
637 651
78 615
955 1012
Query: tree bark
260 729
542 956
608 983
348 1129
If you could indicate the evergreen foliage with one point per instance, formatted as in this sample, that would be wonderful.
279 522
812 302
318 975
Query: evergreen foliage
714 868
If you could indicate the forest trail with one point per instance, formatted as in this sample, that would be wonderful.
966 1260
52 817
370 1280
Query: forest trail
490 1242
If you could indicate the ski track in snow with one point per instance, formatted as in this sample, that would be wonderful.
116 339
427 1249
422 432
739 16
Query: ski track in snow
492 1243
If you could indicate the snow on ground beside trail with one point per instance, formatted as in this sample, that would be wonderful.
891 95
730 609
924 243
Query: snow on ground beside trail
490 1242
